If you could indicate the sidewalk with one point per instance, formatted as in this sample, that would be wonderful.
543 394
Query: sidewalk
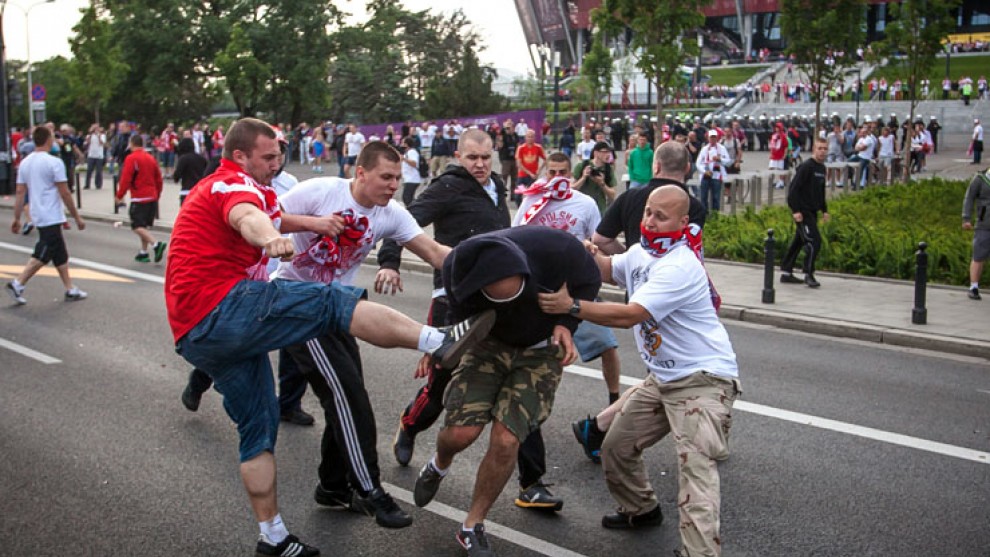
871 309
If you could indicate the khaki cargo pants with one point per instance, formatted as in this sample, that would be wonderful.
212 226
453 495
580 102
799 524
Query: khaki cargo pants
697 410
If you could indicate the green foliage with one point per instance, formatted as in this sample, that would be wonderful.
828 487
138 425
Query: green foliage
873 233
663 35
813 30
731 76
596 68
246 77
468 91
99 65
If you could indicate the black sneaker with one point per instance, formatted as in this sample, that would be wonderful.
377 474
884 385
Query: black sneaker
622 520
142 258
460 336
790 278
402 446
380 505
191 399
290 547
811 282
974 294
475 542
538 497
299 417
160 251
342 500
427 485
587 433
26 228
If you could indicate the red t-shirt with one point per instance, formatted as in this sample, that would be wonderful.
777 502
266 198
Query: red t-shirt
778 146
529 158
207 257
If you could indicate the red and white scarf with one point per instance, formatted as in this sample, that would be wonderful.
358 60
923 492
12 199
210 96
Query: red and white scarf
659 243
259 271
558 188
326 254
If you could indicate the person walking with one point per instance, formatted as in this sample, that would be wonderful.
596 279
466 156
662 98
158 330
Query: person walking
806 197
95 148
977 201
42 177
713 159
977 142
142 178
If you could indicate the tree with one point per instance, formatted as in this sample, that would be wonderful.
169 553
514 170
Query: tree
99 66
914 37
245 76
660 40
468 91
815 31
597 68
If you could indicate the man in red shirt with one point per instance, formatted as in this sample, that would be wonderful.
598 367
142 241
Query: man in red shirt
225 316
529 157
778 152
140 175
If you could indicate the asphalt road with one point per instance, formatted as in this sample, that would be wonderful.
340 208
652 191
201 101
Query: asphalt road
884 451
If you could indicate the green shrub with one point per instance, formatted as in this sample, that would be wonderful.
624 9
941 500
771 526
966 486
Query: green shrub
873 232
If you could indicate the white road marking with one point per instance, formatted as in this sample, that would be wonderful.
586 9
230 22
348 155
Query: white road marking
25 351
495 529
94 265
825 423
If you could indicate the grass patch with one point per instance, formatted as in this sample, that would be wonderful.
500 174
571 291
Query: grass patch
871 233
973 66
731 76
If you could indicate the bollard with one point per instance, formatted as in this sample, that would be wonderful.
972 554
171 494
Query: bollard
919 315
768 263
78 192
113 195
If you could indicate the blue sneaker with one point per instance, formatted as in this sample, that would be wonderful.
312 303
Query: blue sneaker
590 437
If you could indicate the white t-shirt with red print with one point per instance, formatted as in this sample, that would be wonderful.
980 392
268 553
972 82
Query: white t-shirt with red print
577 216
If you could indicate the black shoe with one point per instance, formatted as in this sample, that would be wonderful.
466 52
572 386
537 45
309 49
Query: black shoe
974 294
402 446
459 337
342 500
142 258
587 433
290 547
623 520
159 251
380 505
191 399
538 497
811 282
427 485
475 542
298 417
789 278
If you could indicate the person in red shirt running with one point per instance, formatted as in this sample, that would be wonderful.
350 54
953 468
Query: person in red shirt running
226 317
140 175
530 157
778 152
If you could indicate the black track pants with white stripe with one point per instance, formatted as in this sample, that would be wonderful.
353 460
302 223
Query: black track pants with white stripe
807 237
332 365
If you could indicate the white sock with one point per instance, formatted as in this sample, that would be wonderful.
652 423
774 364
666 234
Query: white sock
441 471
430 338
274 530
142 252
17 284
466 529
972 285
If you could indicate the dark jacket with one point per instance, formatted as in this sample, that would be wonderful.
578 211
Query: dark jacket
807 190
546 258
458 208
190 167
976 205
626 213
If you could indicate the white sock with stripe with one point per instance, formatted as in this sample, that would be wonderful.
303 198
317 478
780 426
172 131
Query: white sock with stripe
430 338
274 530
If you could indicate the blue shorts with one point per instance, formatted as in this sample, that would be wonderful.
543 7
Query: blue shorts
591 339
231 344
350 161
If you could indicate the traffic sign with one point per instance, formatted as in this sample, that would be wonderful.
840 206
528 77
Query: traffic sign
38 92
37 105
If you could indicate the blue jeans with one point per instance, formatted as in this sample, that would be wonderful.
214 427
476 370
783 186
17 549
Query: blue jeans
592 339
231 344
711 187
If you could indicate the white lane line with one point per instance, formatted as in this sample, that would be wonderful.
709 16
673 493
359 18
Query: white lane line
495 529
825 423
94 265
25 351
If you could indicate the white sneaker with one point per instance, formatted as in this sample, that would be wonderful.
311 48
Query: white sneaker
16 293
75 295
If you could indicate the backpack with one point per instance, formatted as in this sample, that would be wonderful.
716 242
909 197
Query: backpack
424 166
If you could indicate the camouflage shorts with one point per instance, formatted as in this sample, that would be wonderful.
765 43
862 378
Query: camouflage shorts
515 386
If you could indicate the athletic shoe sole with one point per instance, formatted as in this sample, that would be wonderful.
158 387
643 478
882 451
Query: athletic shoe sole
477 331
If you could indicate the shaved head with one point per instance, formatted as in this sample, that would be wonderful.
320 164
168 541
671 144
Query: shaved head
666 209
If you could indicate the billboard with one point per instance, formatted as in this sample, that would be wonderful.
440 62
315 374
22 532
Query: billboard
542 20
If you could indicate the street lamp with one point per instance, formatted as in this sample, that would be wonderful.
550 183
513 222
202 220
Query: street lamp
27 41
697 82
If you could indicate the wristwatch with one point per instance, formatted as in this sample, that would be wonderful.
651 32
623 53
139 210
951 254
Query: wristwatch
575 306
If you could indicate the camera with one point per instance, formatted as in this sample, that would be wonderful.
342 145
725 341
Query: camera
596 172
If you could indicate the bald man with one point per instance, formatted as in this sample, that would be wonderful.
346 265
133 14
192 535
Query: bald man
693 376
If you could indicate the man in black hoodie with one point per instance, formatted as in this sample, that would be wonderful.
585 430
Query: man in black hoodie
510 378
806 197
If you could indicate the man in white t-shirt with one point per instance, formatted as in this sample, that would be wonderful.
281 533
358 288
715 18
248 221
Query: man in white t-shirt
693 375
554 204
95 149
865 145
42 177
427 132
353 141
587 145
410 170
363 213
977 145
